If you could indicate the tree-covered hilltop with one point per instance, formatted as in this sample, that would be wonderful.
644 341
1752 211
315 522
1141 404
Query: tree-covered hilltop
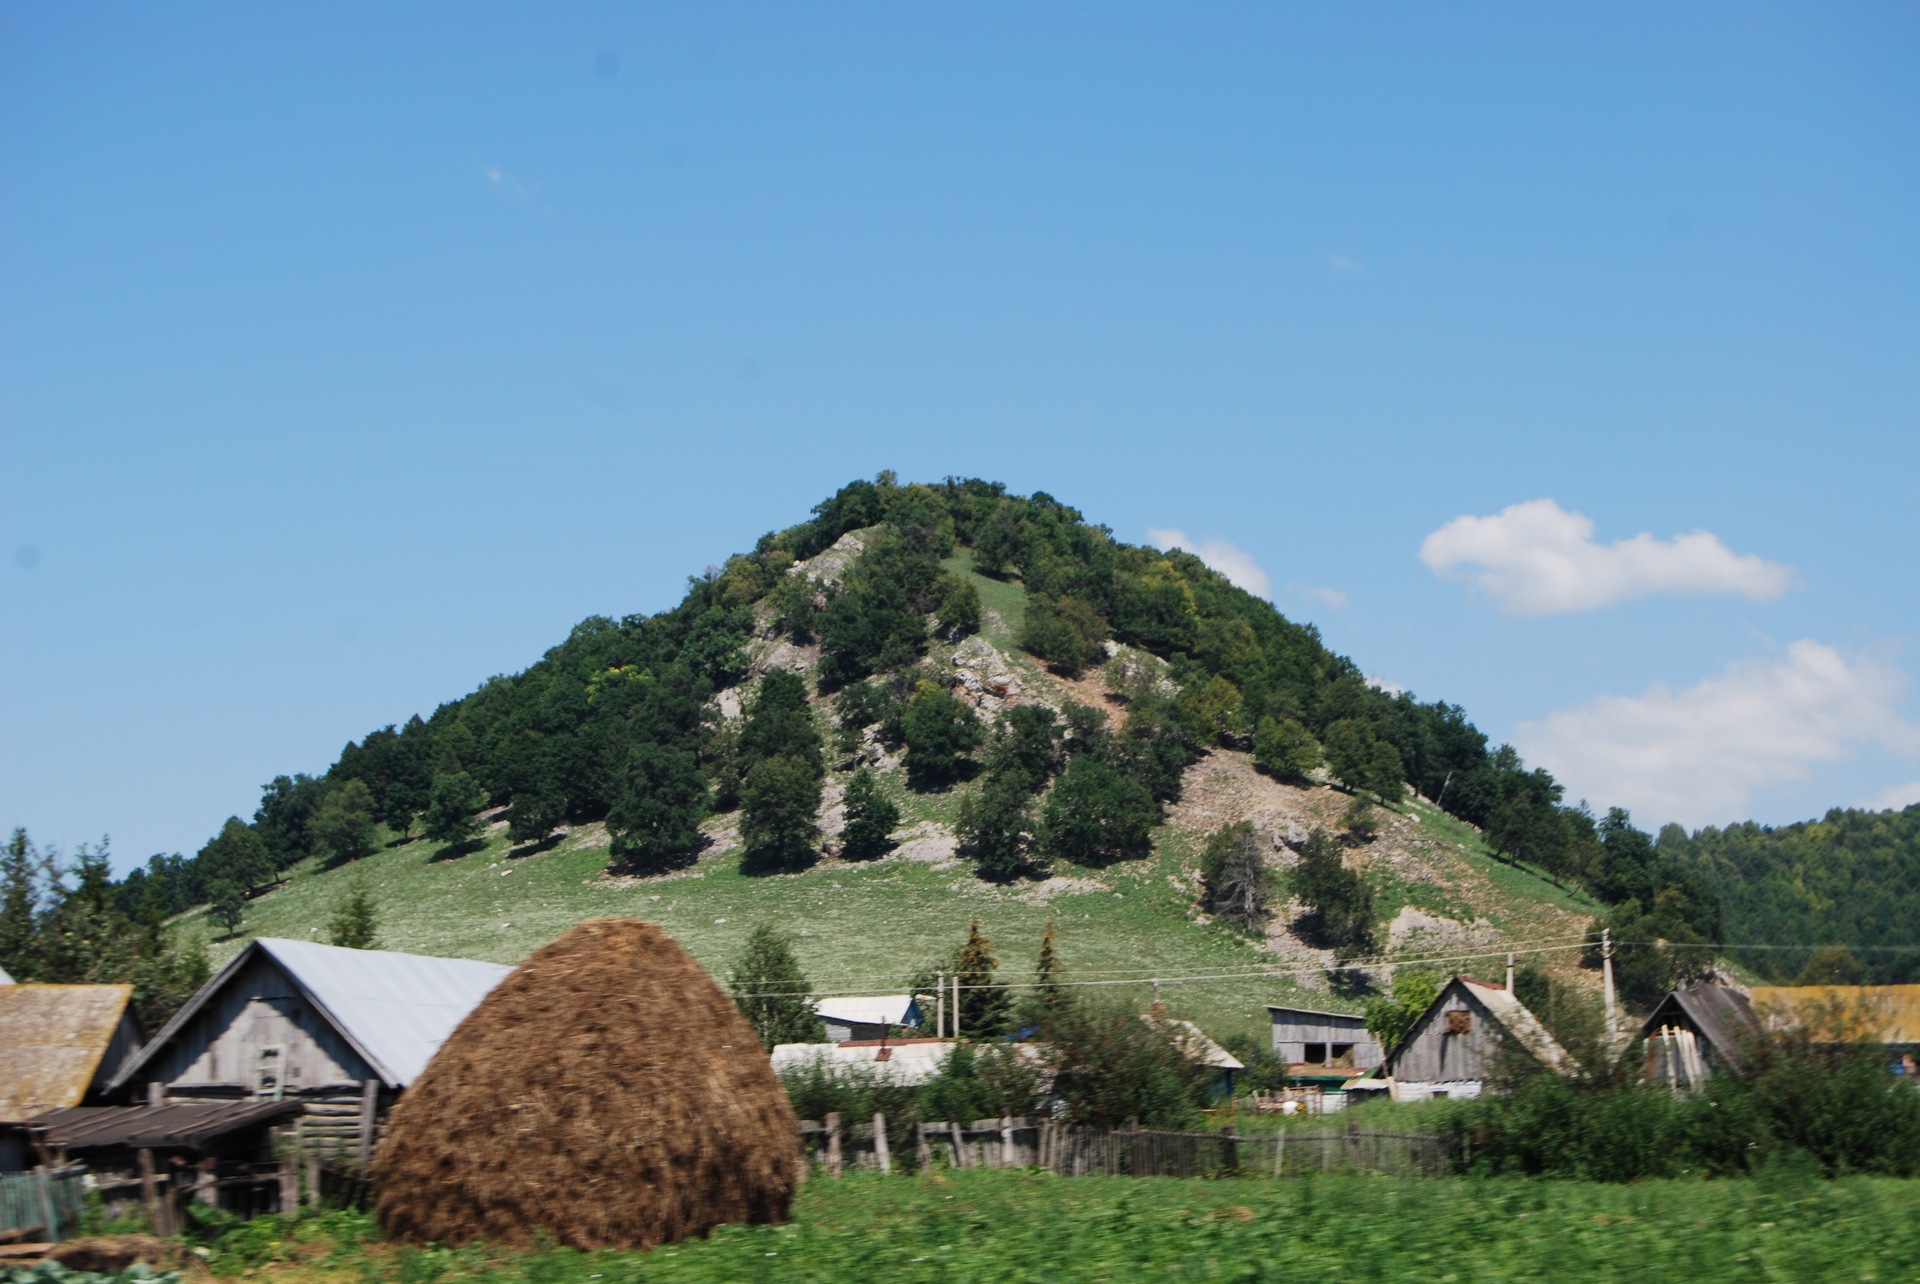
618 723
1850 878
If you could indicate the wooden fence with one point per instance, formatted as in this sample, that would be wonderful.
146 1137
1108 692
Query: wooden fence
47 1203
834 1145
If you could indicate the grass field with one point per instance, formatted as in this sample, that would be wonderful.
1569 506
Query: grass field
990 1226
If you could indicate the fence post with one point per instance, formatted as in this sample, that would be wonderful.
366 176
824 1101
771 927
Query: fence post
1279 1150
150 1193
833 1144
880 1150
959 1144
47 1208
1230 1149
922 1149
1007 1157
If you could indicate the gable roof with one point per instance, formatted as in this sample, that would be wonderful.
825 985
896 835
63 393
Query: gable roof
1721 1014
1195 1044
394 1009
1512 1016
52 1041
865 1009
1338 1016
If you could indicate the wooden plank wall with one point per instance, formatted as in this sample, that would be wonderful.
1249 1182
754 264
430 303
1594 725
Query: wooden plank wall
259 1007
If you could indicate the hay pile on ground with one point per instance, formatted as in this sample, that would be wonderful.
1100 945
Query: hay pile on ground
606 1094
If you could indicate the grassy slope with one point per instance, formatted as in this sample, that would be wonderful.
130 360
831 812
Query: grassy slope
991 1226
867 927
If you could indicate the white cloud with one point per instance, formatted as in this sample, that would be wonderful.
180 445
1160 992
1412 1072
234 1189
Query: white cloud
1381 684
1699 754
1230 560
1341 265
1897 798
1536 558
1333 597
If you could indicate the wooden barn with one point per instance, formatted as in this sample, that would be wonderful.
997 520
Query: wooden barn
1696 1032
340 1031
1323 1048
59 1046
1455 1044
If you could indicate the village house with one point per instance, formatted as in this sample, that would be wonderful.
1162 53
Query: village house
865 1016
1455 1045
59 1045
340 1031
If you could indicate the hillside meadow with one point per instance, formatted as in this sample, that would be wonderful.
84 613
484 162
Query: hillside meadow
1008 1225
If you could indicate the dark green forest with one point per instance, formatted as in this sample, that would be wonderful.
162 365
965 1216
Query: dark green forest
613 724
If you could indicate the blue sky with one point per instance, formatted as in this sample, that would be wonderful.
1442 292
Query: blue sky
348 356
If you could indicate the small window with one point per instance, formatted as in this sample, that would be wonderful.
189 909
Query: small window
1342 1057
1316 1054
1459 1021
1438 1094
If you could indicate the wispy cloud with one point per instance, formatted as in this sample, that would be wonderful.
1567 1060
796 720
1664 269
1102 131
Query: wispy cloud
506 184
1537 558
1230 560
1332 597
1341 265
1381 684
1897 798
1698 755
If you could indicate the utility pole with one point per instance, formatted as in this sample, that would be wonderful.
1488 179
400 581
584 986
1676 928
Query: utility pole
1509 972
956 1007
940 1004
1606 964
1159 1010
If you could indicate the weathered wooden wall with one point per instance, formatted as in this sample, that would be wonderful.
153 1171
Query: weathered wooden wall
218 1051
1433 1053
1293 1030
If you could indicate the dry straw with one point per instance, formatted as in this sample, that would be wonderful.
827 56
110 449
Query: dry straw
607 1094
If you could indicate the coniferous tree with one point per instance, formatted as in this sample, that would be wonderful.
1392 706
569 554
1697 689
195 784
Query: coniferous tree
18 903
985 1007
871 817
1043 1003
772 992
355 922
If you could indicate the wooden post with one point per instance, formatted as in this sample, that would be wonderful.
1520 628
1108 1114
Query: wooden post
1007 1157
1230 1150
150 1193
880 1151
956 1006
959 1144
369 1110
289 1181
940 1004
156 1094
1279 1150
49 1210
833 1144
922 1149
1606 963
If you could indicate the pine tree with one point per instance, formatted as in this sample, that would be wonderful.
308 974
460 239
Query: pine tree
19 896
1044 1002
355 924
772 992
984 1005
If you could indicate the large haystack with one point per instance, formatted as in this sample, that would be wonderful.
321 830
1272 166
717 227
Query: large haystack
607 1093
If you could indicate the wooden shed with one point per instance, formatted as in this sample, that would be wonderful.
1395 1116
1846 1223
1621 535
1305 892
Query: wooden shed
1695 1032
1455 1044
60 1044
1330 1046
341 1031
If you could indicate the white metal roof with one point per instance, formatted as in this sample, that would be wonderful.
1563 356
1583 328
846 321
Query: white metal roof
4 978
1194 1042
395 1009
907 1064
865 1009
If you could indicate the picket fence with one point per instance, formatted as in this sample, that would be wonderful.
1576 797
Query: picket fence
834 1144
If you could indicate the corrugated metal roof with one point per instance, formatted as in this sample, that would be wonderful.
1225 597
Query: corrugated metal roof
1887 1014
907 1064
395 1009
866 1009
1199 1048
52 1038
177 1123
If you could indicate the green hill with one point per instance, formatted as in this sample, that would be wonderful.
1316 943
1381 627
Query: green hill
1177 677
